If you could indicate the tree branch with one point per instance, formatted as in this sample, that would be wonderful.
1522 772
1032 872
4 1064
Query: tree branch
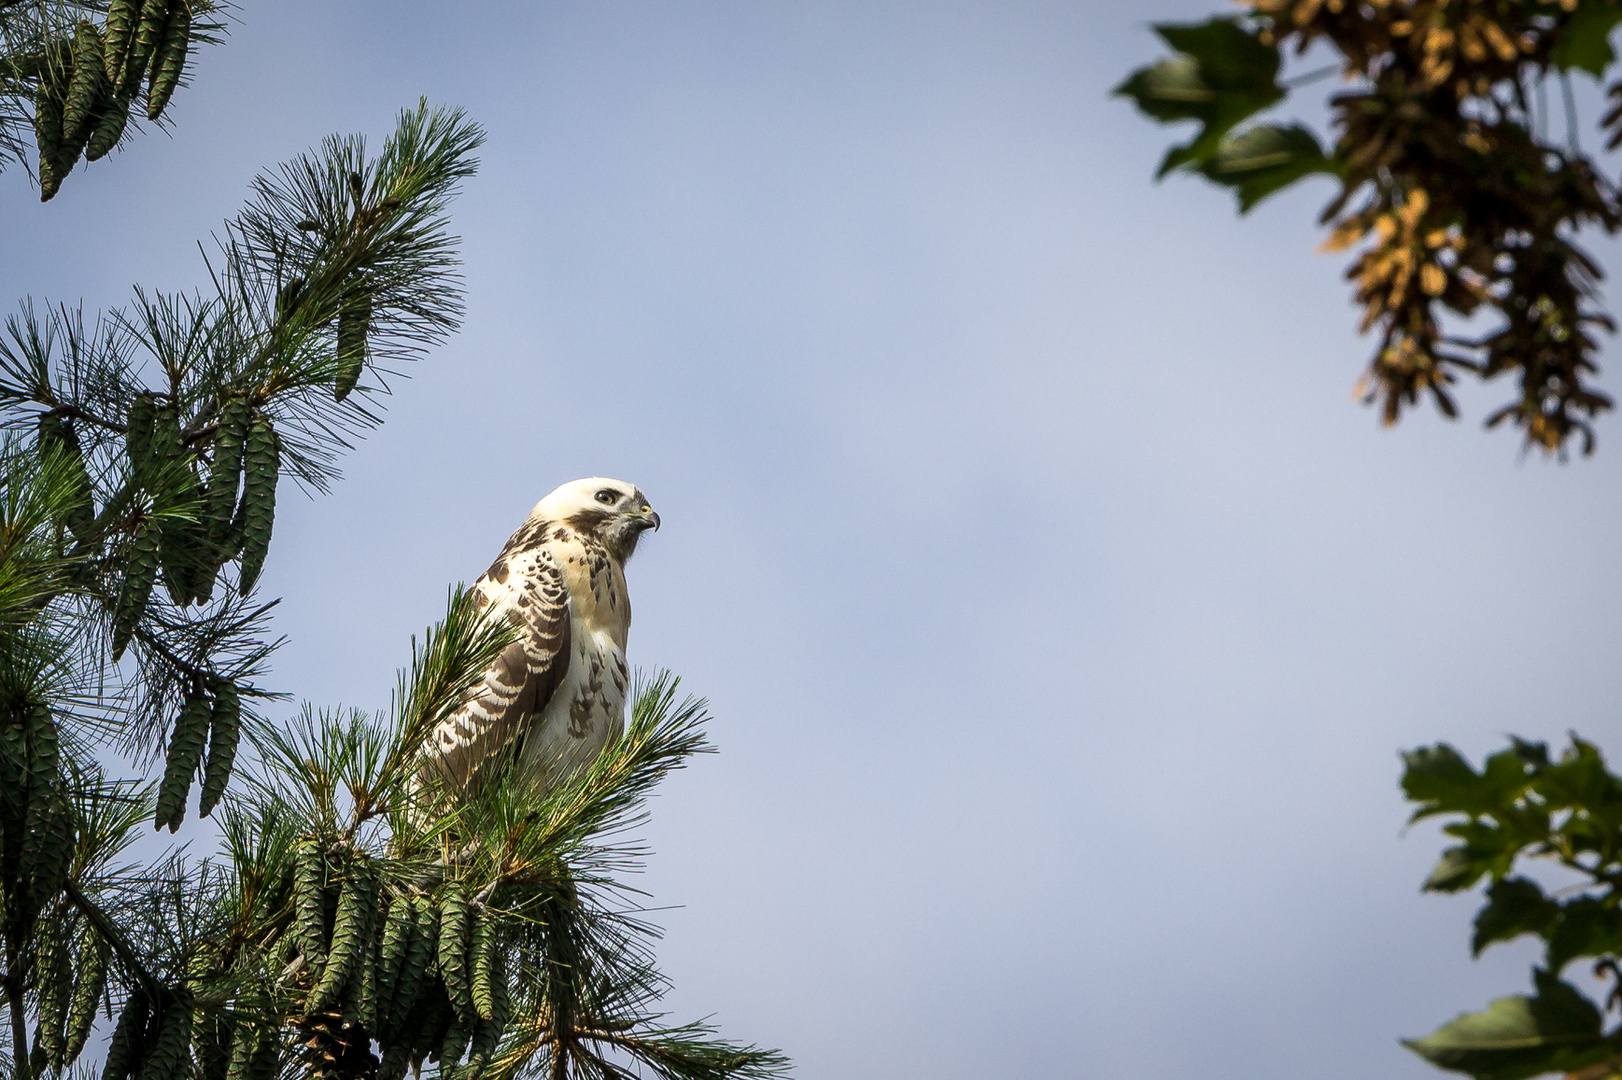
74 412
114 937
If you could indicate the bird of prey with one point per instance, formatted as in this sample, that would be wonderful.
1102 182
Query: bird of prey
556 696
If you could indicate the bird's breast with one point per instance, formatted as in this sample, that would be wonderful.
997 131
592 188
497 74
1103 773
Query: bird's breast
587 710
597 595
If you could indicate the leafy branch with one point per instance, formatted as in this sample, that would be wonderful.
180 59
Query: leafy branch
1526 806
1456 195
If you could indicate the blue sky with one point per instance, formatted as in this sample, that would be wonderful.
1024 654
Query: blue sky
1061 614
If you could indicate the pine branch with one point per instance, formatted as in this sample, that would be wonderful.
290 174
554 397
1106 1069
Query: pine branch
74 412
111 934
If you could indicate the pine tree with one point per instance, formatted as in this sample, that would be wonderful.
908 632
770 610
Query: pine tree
351 923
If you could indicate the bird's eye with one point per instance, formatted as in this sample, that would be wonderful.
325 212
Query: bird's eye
607 497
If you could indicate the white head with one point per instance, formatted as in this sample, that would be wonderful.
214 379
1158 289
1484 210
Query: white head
614 512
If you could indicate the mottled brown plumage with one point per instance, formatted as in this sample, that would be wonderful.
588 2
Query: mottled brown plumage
556 696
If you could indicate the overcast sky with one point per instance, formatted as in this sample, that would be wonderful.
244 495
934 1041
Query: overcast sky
1061 614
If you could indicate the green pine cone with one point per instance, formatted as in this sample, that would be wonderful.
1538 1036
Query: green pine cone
87 992
47 849
210 1029
86 89
122 16
368 1005
416 967
13 796
140 574
180 553
257 512
310 903
481 958
244 1042
361 1006
430 1022
454 1044
398 924
226 470
481 1048
148 37
43 749
56 433
204 569
349 936
170 59
267 1057
50 100
487 1032
502 990
54 980
224 731
166 445
112 114
213 1048
359 994
185 752
354 321
452 951
396 1060
47 838
170 1058
141 424
128 1044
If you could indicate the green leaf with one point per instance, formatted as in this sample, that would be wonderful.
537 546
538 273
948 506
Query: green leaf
1515 906
1505 777
1581 780
1586 927
1437 776
1457 870
1487 848
1264 159
1441 781
1222 76
1517 1037
1584 42
1170 90
1230 57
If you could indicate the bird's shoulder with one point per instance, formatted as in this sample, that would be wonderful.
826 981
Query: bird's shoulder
551 565
565 547
526 580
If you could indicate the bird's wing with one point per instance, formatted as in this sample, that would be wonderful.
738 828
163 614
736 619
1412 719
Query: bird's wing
530 590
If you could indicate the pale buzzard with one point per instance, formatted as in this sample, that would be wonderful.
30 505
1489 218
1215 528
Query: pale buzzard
556 696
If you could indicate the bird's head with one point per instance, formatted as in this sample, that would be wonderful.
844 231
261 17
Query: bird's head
614 512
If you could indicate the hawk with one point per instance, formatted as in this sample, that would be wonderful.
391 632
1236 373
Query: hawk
556 696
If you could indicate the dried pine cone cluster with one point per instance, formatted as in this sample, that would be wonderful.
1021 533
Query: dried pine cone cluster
1458 205
1455 196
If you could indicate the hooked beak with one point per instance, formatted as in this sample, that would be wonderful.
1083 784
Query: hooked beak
650 520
